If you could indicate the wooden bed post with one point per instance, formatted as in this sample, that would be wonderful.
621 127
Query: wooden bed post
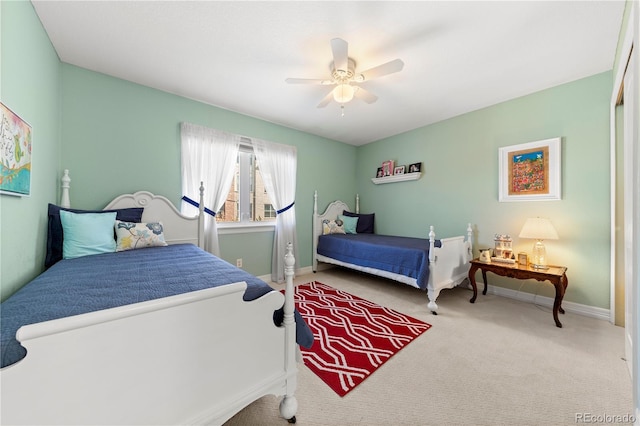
470 240
314 230
289 404
201 217
64 198
432 244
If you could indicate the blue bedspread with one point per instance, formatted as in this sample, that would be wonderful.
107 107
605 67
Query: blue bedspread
91 283
401 255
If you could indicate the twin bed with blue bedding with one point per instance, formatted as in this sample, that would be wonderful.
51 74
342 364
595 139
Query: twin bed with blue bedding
92 283
165 334
346 238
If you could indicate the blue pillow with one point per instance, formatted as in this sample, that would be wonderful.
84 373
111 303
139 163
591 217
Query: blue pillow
350 224
365 221
87 234
55 236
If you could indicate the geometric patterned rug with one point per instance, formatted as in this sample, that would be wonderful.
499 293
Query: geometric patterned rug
353 337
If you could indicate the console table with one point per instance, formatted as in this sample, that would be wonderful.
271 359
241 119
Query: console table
555 274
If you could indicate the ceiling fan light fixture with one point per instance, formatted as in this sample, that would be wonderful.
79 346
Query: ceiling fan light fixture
343 93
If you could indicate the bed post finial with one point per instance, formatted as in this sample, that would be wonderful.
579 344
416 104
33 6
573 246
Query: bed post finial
470 240
201 217
432 244
315 202
64 198
201 206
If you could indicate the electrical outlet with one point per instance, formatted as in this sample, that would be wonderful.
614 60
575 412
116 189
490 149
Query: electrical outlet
239 263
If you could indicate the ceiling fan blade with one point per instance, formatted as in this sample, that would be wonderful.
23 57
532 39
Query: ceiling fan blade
368 97
339 47
325 101
381 70
308 81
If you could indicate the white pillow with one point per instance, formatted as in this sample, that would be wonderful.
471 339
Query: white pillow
131 235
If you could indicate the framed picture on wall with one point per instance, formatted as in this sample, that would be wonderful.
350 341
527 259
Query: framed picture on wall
415 168
530 171
387 168
15 153
399 170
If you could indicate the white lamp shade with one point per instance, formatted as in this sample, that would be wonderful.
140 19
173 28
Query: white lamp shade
538 229
343 93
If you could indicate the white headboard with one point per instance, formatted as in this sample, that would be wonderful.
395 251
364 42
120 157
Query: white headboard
178 228
332 211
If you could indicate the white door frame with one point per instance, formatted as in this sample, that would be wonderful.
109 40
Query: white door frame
625 53
632 224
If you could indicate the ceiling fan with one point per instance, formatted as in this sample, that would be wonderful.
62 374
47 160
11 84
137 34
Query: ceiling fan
345 80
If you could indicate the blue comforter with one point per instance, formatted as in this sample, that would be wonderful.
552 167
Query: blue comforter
401 255
92 283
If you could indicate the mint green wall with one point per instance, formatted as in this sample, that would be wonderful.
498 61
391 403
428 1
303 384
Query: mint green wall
117 137
30 86
460 181
121 137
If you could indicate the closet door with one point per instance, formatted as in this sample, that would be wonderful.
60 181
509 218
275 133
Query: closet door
631 211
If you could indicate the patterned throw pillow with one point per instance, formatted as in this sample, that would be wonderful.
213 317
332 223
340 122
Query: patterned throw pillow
332 227
131 235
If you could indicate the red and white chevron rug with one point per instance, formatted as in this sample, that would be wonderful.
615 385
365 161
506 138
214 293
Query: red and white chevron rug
353 337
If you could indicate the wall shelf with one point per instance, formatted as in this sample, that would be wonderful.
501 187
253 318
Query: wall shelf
397 178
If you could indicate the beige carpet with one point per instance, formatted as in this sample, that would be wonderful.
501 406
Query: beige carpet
495 362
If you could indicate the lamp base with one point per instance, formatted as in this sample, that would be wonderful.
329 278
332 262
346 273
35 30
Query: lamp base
539 256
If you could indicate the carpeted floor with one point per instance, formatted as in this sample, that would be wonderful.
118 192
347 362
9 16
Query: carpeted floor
495 362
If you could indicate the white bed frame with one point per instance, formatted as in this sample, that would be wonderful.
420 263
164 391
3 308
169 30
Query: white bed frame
448 264
123 365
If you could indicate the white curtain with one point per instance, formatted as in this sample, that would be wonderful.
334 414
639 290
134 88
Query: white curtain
278 165
208 156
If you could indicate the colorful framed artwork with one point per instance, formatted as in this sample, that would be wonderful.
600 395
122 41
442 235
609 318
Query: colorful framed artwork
15 153
530 171
399 170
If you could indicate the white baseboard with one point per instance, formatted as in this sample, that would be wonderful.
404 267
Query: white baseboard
576 308
300 271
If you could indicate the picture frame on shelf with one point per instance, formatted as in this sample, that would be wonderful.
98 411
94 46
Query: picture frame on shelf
379 172
523 259
415 168
399 170
387 168
530 171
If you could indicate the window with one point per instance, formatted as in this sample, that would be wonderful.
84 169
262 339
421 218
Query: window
269 211
247 200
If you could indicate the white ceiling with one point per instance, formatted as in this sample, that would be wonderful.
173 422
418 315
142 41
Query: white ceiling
458 56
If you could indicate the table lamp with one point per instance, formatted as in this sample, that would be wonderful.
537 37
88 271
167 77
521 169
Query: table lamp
539 229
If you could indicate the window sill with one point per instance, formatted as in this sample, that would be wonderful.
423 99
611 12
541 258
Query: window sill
243 228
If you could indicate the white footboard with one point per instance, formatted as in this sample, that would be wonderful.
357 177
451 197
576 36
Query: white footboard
189 359
449 265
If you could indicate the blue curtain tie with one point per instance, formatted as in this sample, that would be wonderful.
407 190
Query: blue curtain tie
285 209
195 204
